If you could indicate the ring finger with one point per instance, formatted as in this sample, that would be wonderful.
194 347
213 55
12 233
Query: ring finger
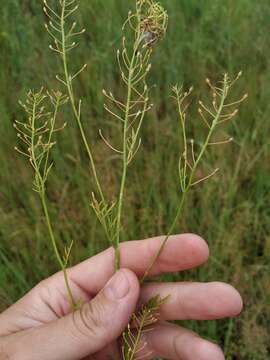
173 342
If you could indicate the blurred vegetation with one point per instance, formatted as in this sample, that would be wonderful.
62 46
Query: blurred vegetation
205 39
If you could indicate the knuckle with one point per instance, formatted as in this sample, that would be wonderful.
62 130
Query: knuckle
39 292
89 320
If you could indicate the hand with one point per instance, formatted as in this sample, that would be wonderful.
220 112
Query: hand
39 326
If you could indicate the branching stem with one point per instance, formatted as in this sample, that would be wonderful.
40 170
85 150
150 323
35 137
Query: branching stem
40 181
187 187
68 81
124 156
72 301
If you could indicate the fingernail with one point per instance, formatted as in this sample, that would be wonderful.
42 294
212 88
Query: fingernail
117 287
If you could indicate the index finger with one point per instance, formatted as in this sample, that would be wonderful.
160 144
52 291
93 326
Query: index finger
181 252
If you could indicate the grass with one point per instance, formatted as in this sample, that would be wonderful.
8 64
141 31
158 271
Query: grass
231 211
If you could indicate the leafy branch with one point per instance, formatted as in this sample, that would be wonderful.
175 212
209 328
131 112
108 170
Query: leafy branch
140 323
64 34
37 137
219 112
147 25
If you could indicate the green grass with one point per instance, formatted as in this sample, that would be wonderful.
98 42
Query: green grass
205 38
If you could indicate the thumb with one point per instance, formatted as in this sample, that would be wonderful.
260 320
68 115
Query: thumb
88 329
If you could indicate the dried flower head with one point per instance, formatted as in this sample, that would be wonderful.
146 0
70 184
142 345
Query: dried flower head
153 21
149 22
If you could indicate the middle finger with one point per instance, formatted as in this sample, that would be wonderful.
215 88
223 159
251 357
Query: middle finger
197 301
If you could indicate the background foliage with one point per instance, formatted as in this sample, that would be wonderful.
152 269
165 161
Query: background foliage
205 38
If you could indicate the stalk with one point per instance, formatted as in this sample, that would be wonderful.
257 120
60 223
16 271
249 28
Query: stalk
187 187
76 112
148 23
40 182
125 163
71 299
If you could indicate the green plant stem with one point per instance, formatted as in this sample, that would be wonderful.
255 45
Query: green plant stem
135 346
50 137
41 188
172 227
189 185
72 101
124 157
56 251
210 133
183 120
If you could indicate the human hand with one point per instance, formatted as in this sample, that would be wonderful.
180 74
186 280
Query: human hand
39 326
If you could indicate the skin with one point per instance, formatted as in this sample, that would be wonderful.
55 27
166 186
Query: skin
40 325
